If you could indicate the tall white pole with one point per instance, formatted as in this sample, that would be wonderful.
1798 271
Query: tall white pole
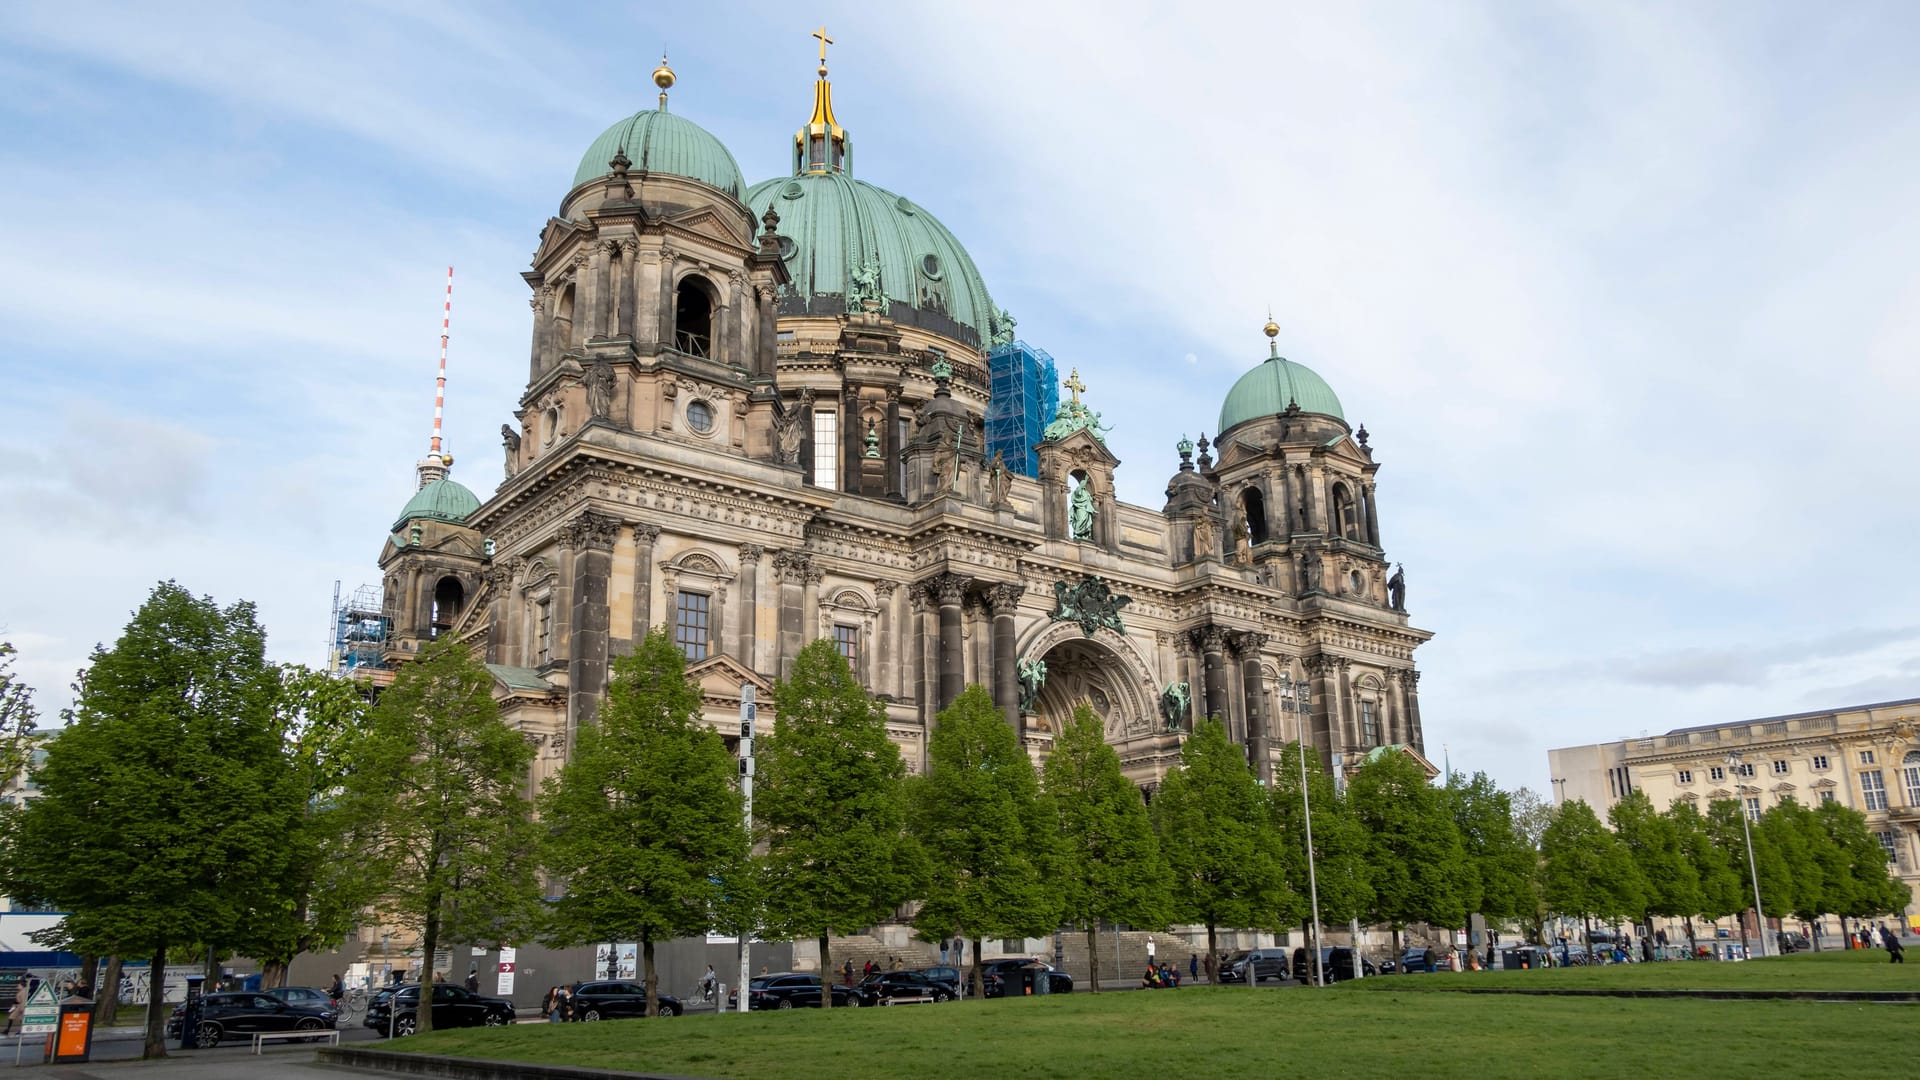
1746 827
746 792
1300 702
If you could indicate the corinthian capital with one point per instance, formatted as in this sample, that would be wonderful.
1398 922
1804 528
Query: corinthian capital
1004 598
590 530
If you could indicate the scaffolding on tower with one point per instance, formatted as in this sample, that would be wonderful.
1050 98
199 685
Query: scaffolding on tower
1025 394
357 631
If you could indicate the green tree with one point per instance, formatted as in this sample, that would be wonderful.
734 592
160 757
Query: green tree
1712 862
987 830
1500 864
1531 816
164 803
441 792
1794 835
1867 888
1110 866
1727 828
645 823
18 719
321 722
1222 851
1653 842
1341 846
830 805
1587 870
1420 871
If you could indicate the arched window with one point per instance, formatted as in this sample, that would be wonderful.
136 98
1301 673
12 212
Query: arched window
693 317
1304 522
1254 505
563 321
447 598
1910 772
1343 523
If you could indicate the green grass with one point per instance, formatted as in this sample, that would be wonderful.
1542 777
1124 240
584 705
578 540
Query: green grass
1862 969
1237 1032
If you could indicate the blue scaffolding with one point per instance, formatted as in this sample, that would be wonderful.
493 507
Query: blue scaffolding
1025 395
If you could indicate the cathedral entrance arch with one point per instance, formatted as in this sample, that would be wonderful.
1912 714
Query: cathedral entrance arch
1103 671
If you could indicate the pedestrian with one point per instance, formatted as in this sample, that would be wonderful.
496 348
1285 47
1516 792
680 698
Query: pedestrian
439 977
944 945
473 978
19 1006
1209 967
893 963
959 950
1874 937
1193 967
338 989
550 1005
1149 950
847 971
1896 952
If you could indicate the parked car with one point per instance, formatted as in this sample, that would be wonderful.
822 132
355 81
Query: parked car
897 987
618 1000
995 974
310 996
240 1015
788 990
1335 960
1794 941
1266 964
1416 960
952 976
453 1006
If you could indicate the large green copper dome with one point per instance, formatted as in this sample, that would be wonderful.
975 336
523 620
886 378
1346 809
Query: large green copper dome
442 500
661 142
833 227
1266 390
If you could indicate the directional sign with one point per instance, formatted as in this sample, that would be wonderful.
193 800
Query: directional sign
42 1015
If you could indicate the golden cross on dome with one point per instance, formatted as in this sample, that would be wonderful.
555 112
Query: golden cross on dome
1074 385
824 42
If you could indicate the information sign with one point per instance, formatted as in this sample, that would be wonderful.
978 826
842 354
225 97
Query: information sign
42 1016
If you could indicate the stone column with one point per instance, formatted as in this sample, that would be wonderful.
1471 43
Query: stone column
537 352
1246 646
1373 519
1414 736
589 292
1324 722
726 321
1211 642
950 590
623 289
1004 601
790 568
917 676
885 649
717 636
1321 513
590 536
890 443
1183 665
1348 714
665 300
749 627
766 338
499 581
646 295
643 539
810 604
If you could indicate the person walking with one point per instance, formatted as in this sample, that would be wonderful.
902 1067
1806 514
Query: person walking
18 1007
846 971
959 950
1193 967
1896 952
944 944
473 978
1149 950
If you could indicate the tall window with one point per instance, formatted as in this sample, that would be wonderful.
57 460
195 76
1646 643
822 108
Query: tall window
1368 733
1866 757
693 318
544 632
1715 772
1753 809
1911 774
1826 795
1780 768
847 640
1874 788
1686 776
1743 769
1819 761
690 624
1886 842
826 448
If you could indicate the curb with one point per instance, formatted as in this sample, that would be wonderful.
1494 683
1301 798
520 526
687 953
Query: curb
396 1063
1880 996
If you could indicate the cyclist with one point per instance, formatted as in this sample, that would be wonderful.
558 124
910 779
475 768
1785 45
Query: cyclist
337 990
709 984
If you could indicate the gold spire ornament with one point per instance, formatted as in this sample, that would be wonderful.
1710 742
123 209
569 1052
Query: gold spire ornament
1074 385
822 145
663 78
1272 330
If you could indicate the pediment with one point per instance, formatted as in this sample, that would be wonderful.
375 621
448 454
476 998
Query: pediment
1237 452
1342 448
1399 748
457 543
1082 449
706 222
558 234
1824 783
1784 788
719 678
1719 793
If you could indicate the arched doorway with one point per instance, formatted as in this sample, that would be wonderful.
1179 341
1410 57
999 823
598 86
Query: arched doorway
1086 671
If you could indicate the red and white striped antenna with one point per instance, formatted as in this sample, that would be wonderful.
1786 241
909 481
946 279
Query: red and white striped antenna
440 384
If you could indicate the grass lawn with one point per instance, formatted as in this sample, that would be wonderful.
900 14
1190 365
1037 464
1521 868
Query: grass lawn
1236 1032
1862 969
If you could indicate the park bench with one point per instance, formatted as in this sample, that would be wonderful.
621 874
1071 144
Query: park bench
331 1035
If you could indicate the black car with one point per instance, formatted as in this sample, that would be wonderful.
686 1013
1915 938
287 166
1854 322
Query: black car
618 1000
1418 960
901 987
240 1015
1265 963
995 975
453 1006
307 996
788 990
1335 960
943 974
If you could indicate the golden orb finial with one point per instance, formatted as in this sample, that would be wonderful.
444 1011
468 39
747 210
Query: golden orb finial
1272 328
663 75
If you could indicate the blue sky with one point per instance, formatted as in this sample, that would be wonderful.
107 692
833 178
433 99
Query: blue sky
1625 294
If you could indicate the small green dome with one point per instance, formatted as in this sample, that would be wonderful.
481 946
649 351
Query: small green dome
441 500
832 225
661 142
1266 390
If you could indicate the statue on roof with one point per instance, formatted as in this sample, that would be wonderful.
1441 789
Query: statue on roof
1081 511
1003 324
511 439
1397 588
600 390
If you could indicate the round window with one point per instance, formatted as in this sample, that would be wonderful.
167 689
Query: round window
700 416
552 425
1355 580
930 266
793 190
901 204
787 247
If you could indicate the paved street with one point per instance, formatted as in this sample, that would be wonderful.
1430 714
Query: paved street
122 1044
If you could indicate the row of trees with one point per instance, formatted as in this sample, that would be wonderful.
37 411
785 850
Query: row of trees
1681 864
202 799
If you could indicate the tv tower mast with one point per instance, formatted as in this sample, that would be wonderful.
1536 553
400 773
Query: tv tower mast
435 465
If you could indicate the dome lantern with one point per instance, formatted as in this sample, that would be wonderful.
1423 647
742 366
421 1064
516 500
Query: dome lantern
1278 387
822 145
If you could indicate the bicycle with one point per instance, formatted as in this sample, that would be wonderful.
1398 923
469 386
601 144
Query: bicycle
353 1001
705 992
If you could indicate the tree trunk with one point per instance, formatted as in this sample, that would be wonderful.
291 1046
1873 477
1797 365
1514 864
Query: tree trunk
1213 949
653 978
1744 946
979 991
826 973
1093 956
273 973
213 969
1693 946
1813 932
429 941
156 1044
106 996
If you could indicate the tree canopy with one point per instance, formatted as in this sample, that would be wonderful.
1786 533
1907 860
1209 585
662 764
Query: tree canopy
1586 870
1341 846
1419 863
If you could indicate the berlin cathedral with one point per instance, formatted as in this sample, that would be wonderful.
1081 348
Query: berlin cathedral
759 414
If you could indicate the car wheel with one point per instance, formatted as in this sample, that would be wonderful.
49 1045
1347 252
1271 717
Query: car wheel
941 997
308 1024
854 1003
785 1003
494 1019
404 1026
669 1010
590 1015
206 1034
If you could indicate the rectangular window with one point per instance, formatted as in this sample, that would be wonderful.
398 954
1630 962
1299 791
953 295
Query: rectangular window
1743 769
1716 773
1826 796
1866 757
545 632
1911 774
690 624
1753 809
826 448
1780 768
1686 776
847 640
1874 788
1819 761
1886 841
1368 734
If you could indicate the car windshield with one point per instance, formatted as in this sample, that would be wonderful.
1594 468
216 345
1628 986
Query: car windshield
1237 957
759 984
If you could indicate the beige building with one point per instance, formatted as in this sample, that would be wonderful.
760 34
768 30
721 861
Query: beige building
1864 756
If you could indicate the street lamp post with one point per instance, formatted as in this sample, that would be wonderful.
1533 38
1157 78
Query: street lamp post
1753 869
1298 702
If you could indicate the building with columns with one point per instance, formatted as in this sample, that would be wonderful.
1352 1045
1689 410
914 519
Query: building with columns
754 414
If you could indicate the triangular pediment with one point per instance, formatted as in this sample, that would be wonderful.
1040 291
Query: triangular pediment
1082 449
1236 452
1823 783
706 222
1397 748
1343 448
719 678
559 234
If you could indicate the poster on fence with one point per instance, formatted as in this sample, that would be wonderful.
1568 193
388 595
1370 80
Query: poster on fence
616 961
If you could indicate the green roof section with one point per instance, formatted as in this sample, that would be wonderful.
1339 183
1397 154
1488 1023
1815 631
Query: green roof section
834 226
661 142
519 678
442 500
1266 390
